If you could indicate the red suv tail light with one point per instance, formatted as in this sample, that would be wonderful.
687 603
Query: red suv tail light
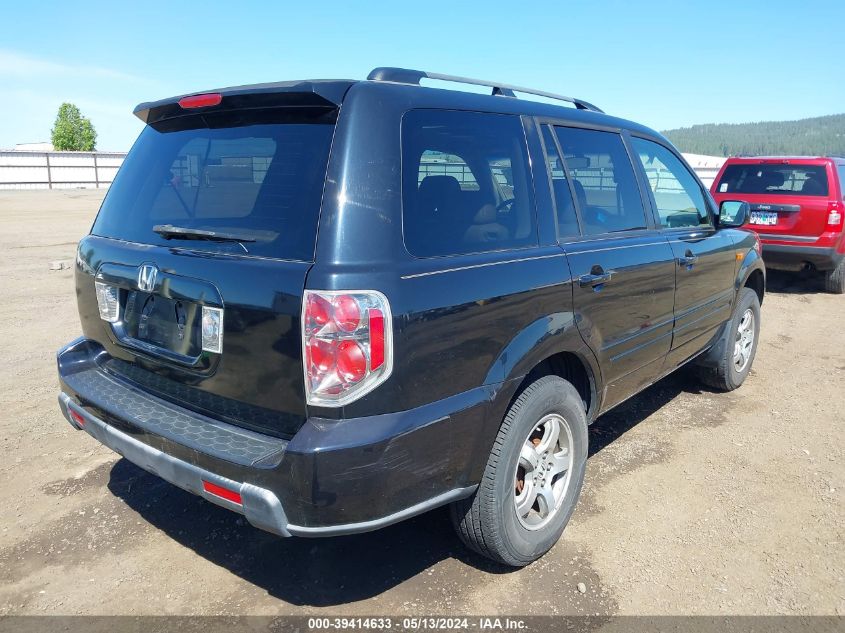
347 344
834 214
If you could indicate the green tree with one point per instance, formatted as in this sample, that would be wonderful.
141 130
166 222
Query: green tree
819 135
72 131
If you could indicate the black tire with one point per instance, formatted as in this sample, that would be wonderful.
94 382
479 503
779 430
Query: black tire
834 280
724 374
487 522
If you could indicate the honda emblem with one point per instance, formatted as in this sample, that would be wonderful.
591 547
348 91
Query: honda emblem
147 277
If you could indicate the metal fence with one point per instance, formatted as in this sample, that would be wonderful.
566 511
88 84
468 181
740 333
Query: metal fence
23 169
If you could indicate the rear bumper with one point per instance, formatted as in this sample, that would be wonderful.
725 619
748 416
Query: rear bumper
333 477
796 257
260 506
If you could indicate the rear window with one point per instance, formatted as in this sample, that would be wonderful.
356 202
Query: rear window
466 186
243 174
781 180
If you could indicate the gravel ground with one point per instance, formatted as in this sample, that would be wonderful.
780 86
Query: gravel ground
695 502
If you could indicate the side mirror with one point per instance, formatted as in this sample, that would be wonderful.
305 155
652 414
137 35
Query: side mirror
733 213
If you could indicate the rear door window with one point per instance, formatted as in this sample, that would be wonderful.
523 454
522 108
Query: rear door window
567 220
774 179
239 174
603 179
678 196
466 187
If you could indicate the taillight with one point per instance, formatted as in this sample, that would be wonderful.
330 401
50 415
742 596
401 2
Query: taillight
347 344
834 214
108 301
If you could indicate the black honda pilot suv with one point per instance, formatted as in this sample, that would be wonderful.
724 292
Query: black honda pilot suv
333 305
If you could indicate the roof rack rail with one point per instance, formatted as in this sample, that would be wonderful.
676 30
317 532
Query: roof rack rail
409 76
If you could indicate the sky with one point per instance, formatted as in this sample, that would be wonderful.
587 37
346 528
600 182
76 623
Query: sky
665 64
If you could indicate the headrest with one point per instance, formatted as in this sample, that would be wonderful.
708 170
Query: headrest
773 179
485 215
442 187
813 187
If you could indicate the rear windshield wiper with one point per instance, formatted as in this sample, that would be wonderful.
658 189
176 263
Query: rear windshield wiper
168 231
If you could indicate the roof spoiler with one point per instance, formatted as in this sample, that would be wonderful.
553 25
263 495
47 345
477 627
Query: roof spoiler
320 94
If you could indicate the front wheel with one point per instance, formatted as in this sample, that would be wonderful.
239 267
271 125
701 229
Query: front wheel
738 345
533 477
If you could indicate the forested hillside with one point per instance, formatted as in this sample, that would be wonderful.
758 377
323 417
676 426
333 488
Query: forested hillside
823 135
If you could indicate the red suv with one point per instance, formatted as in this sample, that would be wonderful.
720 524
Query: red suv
796 207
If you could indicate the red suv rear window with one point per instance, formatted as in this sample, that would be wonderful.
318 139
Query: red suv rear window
780 180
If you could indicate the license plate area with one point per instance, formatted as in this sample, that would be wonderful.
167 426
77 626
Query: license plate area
161 314
171 324
764 218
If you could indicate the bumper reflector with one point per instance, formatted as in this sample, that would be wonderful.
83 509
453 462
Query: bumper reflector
223 493
76 417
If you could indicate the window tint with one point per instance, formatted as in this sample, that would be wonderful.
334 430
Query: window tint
567 221
677 194
603 179
223 174
465 183
774 179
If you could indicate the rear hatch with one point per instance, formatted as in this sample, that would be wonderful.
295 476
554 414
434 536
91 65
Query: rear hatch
199 255
789 199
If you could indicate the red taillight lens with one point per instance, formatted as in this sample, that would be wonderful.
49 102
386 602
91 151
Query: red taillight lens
223 493
347 314
346 342
201 101
351 361
318 311
376 338
834 214
77 417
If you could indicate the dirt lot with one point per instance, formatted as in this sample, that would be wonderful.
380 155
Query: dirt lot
695 502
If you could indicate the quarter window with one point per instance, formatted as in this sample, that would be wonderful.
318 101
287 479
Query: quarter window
678 196
466 187
603 179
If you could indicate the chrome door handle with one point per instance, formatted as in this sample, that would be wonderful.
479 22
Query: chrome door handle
595 279
687 260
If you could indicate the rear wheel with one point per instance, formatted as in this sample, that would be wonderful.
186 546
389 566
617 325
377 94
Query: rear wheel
834 280
738 347
533 477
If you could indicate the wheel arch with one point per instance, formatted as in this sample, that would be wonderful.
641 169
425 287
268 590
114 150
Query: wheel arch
756 280
752 274
550 346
